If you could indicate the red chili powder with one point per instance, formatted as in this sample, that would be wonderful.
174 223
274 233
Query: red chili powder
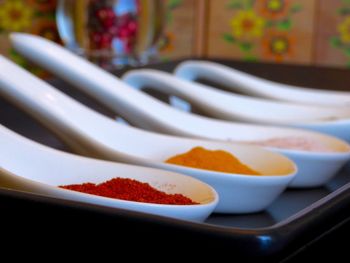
131 190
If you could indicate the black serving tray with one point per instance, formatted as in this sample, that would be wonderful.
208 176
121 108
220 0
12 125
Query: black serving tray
301 223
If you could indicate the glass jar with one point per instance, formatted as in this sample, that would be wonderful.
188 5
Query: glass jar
111 33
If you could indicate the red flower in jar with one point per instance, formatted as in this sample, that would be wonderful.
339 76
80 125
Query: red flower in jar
106 27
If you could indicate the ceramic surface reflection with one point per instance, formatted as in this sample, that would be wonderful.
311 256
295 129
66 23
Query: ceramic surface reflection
144 111
92 134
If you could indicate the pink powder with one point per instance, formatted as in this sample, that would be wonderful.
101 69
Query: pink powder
295 143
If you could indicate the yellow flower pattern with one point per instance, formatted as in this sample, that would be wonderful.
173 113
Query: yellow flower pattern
344 30
341 38
247 24
274 5
279 46
253 21
15 16
31 16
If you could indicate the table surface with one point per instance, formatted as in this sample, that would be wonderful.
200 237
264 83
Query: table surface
297 219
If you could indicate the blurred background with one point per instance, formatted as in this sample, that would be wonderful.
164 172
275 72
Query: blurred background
313 32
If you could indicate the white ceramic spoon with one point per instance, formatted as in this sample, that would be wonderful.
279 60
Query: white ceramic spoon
233 107
314 169
29 166
91 133
248 84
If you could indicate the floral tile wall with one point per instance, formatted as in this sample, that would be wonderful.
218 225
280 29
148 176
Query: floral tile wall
32 16
179 36
38 17
332 43
261 30
313 32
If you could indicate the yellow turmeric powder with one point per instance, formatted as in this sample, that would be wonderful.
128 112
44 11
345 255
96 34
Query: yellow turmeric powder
218 160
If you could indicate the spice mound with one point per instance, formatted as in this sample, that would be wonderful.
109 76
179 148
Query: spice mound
217 160
131 190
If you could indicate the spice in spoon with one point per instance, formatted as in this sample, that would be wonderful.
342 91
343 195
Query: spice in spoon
218 160
131 190
295 143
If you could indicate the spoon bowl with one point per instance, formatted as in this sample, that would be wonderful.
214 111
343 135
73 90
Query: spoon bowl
93 134
40 169
314 168
245 83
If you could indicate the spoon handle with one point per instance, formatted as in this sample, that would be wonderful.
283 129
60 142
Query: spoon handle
65 117
130 104
170 84
226 105
32 94
38 99
251 85
211 101
138 108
